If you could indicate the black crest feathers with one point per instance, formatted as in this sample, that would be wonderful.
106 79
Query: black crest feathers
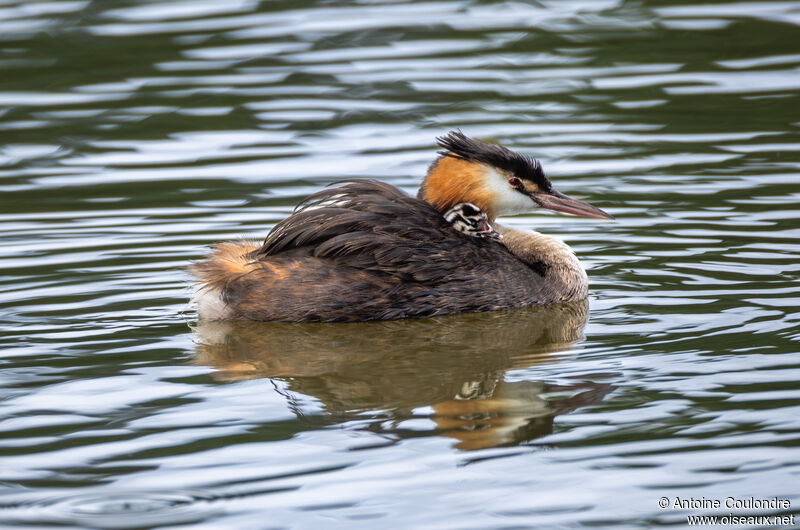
458 145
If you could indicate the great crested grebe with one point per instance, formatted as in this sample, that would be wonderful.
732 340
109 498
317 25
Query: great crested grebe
471 220
365 250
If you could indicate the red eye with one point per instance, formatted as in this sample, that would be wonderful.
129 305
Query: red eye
515 182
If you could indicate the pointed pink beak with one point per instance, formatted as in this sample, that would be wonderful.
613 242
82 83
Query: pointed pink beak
486 230
559 202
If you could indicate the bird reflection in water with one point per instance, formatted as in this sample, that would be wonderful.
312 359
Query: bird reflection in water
385 371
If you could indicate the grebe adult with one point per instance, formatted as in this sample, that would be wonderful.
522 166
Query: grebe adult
365 250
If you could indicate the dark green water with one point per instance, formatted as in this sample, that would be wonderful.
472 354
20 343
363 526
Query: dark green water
132 134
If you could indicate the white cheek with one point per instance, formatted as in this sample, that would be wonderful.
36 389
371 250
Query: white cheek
507 200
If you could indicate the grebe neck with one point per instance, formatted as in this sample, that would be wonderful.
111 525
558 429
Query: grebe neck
549 257
451 181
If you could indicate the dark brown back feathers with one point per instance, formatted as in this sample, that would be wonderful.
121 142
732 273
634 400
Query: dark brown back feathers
365 250
374 226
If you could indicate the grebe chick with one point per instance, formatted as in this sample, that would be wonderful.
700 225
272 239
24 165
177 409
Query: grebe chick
365 250
471 220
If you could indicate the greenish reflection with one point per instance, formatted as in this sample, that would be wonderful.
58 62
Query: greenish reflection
454 364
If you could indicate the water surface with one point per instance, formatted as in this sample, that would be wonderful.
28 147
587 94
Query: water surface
133 134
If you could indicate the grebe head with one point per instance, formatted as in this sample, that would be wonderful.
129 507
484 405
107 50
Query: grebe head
495 179
471 220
